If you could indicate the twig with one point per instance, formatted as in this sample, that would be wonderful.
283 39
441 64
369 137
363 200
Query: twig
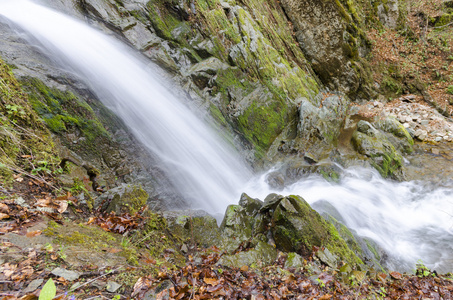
31 176
443 25
88 282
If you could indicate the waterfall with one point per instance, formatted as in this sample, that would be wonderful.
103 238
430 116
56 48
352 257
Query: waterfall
205 171
410 220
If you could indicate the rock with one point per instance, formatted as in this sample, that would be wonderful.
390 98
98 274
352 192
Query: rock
236 227
195 225
33 286
374 144
275 180
322 123
403 141
251 206
66 274
294 260
160 288
262 255
388 14
126 198
112 286
335 59
298 228
327 258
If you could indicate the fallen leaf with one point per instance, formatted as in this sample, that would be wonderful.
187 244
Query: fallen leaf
396 275
244 268
211 281
382 276
33 233
43 202
325 297
3 216
4 208
114 250
63 205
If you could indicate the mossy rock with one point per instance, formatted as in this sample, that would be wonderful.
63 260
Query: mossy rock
374 144
123 199
391 125
260 256
298 228
194 227
236 227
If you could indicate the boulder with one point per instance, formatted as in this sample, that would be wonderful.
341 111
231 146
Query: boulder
196 226
374 144
261 255
126 198
401 137
296 227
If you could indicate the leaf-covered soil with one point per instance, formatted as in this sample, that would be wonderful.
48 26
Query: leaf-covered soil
39 232
417 56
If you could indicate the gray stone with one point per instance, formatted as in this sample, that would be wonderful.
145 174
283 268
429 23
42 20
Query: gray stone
33 286
196 225
112 286
294 260
66 274
328 258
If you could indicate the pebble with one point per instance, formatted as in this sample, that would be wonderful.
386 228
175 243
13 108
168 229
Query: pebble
438 139
68 275
112 286
406 125
424 122
33 286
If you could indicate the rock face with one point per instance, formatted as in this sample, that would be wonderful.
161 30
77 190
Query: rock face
332 41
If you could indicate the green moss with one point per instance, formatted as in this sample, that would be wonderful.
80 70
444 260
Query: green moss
450 89
64 111
22 132
261 124
299 228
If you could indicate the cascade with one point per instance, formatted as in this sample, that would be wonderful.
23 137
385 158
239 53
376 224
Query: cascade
410 220
203 168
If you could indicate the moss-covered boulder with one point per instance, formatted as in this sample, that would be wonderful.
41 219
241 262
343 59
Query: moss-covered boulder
236 227
261 255
195 227
374 144
324 118
402 138
296 227
126 198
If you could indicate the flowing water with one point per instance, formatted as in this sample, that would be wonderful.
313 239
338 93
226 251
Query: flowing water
410 220
201 167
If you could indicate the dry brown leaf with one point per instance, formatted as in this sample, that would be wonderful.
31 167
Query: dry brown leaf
396 275
3 216
4 208
114 250
33 233
244 268
91 220
211 281
62 206
325 297
43 202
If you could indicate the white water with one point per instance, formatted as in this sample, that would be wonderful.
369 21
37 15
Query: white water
408 220
201 167
411 221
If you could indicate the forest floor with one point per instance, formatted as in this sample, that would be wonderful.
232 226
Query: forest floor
30 256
